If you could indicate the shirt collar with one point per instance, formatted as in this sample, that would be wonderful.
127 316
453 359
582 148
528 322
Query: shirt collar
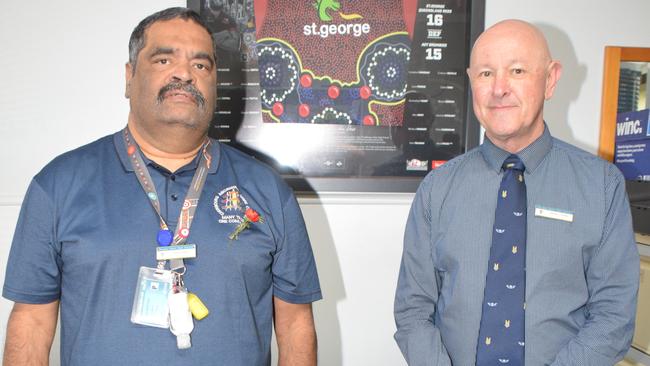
120 148
532 155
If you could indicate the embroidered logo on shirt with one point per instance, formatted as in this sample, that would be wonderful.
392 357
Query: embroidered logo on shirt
230 205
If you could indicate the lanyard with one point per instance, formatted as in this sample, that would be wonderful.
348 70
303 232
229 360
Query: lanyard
189 203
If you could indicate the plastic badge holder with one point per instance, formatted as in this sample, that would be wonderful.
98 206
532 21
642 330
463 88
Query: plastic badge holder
150 304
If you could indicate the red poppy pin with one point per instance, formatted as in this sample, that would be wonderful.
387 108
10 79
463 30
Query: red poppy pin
250 216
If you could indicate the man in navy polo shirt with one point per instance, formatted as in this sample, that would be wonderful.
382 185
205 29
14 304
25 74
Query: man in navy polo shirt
95 229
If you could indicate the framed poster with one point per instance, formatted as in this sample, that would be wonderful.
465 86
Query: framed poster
347 95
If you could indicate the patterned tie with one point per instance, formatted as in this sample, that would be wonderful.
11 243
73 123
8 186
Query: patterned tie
501 336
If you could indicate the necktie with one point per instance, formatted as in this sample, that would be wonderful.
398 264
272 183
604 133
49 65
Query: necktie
501 335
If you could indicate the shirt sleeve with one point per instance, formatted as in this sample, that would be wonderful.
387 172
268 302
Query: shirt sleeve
295 279
417 290
613 280
33 268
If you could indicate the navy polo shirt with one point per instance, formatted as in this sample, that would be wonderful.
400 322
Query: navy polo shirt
86 227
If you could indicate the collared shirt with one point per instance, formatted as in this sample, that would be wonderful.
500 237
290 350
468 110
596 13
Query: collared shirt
581 276
86 227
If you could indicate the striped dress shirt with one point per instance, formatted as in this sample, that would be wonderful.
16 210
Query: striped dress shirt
582 264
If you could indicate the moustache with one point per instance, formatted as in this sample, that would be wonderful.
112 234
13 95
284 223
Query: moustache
188 88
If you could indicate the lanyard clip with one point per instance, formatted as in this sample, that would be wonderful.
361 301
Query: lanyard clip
176 264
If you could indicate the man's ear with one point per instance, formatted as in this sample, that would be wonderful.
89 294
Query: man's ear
128 74
552 76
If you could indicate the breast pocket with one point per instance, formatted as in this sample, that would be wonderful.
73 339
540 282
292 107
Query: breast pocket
559 243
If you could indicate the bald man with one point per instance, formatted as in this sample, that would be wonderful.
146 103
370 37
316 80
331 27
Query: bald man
579 266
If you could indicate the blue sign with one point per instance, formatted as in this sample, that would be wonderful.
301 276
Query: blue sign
632 125
632 155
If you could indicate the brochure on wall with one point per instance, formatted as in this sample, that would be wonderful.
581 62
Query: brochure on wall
345 95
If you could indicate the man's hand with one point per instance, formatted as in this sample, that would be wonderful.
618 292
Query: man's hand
30 332
295 332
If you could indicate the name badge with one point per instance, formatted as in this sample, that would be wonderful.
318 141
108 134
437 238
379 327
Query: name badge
176 252
553 213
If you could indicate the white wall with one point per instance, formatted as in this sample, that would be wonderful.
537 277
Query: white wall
577 32
62 72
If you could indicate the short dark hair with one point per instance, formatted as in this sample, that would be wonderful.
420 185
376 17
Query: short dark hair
137 40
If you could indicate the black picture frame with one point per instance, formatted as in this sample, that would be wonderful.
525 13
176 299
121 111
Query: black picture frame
235 85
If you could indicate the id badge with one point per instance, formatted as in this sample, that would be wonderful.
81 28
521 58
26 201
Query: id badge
150 303
183 251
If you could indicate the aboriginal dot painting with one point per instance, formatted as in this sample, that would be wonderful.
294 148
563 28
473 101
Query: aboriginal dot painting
343 88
